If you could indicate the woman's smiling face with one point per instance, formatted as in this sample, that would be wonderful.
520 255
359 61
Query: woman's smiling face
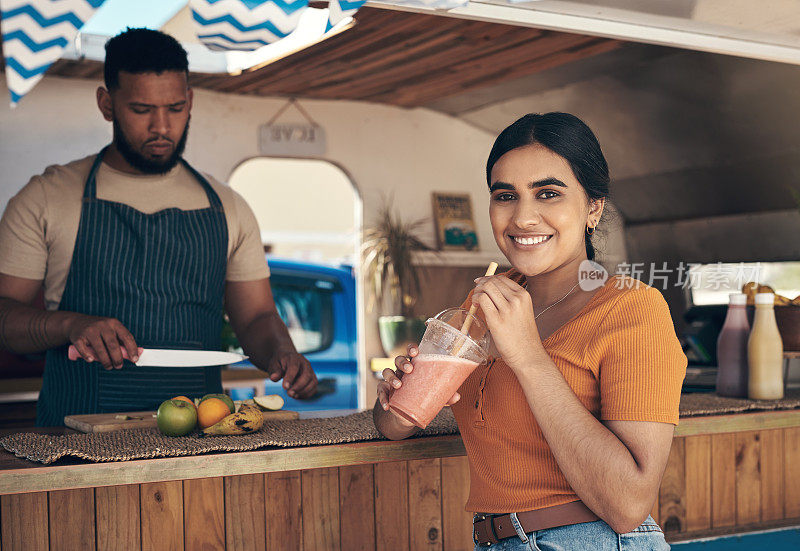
539 211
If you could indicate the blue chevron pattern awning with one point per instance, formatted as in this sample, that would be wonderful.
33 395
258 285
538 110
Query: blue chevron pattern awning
35 33
244 24
339 10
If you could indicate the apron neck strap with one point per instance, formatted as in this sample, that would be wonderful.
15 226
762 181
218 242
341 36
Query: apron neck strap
90 189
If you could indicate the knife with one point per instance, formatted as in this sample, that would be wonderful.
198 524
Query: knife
176 358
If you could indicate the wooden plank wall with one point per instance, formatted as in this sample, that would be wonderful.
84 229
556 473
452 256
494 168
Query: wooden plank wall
723 483
713 484
405 505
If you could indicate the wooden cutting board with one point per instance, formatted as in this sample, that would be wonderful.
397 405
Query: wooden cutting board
105 422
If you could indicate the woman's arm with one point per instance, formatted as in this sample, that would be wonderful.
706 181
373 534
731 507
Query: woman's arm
616 467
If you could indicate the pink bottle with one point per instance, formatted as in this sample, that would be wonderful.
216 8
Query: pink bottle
732 371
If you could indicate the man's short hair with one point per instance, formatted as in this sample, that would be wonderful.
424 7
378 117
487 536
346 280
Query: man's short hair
142 51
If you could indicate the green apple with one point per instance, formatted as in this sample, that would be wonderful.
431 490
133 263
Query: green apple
176 417
224 397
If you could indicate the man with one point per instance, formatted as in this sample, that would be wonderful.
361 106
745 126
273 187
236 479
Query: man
134 249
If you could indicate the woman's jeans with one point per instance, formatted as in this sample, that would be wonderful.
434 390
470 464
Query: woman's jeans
587 536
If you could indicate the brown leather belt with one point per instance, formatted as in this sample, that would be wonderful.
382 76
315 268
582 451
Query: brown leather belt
493 528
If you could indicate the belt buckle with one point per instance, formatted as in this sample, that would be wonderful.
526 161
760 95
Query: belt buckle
479 517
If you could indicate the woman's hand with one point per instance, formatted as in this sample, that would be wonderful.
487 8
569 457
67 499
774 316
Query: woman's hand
393 379
508 310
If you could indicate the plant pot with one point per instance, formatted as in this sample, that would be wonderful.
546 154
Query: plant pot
397 332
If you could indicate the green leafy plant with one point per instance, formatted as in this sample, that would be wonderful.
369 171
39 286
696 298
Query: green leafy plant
388 253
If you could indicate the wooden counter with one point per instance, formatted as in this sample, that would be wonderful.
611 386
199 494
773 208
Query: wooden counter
725 474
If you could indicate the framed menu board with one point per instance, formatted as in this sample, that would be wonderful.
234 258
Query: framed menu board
455 228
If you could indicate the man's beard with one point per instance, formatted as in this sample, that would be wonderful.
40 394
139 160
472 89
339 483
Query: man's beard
142 163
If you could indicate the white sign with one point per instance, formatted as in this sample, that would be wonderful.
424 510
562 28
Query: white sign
292 140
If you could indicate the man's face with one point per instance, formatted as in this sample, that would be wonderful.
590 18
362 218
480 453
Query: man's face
151 119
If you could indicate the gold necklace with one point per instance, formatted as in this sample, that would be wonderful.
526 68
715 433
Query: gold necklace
535 317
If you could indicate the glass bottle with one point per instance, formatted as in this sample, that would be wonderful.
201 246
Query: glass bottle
765 352
732 369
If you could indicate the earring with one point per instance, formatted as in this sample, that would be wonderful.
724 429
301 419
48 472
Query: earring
589 230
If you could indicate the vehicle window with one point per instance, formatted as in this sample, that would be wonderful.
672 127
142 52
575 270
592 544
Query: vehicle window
307 313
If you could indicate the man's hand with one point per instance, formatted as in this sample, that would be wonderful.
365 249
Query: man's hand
264 336
101 340
25 329
299 378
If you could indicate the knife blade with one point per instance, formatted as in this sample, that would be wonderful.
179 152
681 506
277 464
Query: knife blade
176 358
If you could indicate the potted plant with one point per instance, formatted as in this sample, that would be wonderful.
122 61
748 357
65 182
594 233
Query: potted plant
392 278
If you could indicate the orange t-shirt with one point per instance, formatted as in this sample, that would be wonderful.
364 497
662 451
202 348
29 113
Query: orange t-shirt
623 361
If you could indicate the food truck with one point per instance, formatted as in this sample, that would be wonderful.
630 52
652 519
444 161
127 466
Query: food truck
694 105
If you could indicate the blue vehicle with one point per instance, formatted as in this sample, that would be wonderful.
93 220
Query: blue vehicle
318 305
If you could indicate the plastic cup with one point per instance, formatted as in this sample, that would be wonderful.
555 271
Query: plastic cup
446 358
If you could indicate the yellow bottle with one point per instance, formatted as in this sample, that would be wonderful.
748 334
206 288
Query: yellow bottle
765 352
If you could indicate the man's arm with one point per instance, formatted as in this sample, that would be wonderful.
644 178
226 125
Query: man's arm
264 336
25 329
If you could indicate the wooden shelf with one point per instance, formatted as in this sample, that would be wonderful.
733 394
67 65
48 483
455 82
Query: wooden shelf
459 259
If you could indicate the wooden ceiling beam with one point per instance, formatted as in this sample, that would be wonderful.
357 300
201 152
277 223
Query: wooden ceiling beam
509 62
387 51
415 98
404 59
401 59
319 55
436 65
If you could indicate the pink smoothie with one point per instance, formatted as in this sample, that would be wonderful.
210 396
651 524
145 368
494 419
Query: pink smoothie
427 388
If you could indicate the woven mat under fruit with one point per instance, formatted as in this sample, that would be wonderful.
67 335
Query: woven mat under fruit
124 445
702 403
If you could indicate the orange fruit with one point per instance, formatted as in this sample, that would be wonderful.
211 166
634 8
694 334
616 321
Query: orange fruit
211 411
184 398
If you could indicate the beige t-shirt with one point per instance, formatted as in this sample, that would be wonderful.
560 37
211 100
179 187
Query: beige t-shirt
40 224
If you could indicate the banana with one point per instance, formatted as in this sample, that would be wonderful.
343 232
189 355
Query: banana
248 419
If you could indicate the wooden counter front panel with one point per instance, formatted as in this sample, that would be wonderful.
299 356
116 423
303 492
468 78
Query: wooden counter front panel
24 522
391 503
72 519
732 482
245 511
714 483
791 472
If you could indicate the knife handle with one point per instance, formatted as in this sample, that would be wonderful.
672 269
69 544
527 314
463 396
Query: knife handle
73 354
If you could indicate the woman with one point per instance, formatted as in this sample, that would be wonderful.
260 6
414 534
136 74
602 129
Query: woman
568 426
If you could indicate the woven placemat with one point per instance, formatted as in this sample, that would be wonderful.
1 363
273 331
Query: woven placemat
701 403
125 445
